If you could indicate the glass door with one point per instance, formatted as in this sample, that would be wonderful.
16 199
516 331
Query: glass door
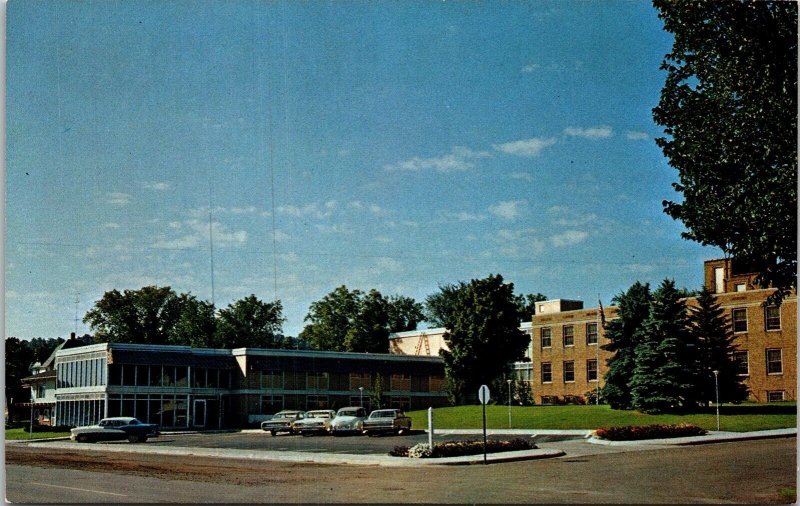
199 413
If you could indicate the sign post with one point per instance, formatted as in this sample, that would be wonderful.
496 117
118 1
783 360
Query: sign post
430 428
483 396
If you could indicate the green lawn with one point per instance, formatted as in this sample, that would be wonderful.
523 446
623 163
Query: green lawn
21 434
742 418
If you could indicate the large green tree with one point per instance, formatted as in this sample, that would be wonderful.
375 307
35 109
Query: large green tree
715 339
150 315
633 307
439 306
483 336
351 320
666 374
251 323
729 111
527 305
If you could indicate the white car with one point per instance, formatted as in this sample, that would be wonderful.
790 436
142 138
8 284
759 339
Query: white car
349 420
315 422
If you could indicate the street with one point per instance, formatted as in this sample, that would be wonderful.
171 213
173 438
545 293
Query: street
744 472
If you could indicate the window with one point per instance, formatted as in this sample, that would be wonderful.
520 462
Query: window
198 377
739 319
141 375
546 337
774 362
359 380
271 379
400 382
591 333
401 403
438 384
775 396
128 376
547 372
740 363
772 317
741 287
316 402
569 371
317 381
548 400
271 404
591 369
569 335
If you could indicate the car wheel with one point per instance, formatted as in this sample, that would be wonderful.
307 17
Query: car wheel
82 439
133 438
273 433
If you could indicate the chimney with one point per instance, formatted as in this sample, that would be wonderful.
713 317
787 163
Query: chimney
72 336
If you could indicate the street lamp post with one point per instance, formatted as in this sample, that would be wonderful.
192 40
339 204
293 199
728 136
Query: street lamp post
361 396
509 403
716 389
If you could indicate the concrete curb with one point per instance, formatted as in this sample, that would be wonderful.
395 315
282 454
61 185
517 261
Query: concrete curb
710 438
303 457
584 433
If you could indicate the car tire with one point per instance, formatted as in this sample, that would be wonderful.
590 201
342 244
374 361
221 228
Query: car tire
82 439
133 438
273 433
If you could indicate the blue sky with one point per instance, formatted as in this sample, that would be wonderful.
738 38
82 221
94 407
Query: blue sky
388 145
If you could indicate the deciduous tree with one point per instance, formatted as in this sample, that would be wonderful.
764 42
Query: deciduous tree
729 111
251 323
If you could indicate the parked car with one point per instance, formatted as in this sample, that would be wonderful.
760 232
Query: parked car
315 422
116 428
283 421
387 420
349 420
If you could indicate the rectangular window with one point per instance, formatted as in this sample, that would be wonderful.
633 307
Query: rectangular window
168 376
317 381
198 377
741 287
114 374
213 378
359 380
547 372
142 375
181 376
438 384
128 375
546 337
591 370
272 379
316 402
569 335
271 404
772 317
740 363
739 319
591 333
774 362
400 382
775 396
401 403
569 371
155 375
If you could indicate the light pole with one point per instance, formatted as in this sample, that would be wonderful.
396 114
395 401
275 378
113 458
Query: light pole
716 389
361 396
509 403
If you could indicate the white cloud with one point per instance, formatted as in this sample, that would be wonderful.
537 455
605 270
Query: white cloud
595 132
383 239
111 225
636 136
524 176
281 236
568 238
527 147
157 185
509 209
313 210
118 198
460 158
388 264
564 216
336 228
462 216
199 235
527 69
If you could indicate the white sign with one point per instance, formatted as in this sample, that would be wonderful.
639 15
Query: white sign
483 394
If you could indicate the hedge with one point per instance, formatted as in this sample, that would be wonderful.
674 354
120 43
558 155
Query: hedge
656 431
461 448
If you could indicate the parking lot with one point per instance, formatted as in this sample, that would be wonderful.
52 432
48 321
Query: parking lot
259 440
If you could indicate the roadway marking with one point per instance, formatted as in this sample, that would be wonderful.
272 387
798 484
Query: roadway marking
80 489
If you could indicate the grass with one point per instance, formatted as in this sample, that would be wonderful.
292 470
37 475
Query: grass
735 418
20 433
788 494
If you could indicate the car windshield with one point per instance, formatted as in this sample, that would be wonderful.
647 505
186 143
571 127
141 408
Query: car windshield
382 414
318 414
285 415
348 412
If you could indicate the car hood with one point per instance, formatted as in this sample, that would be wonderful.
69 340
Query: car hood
312 420
347 419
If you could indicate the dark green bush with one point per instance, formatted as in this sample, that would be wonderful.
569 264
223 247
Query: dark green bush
656 431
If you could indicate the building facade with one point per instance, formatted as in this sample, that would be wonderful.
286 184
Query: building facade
183 387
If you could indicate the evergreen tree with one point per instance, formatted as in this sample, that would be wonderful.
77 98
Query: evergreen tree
666 374
632 309
715 339
376 400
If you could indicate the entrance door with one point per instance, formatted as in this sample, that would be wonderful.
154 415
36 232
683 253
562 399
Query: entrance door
199 413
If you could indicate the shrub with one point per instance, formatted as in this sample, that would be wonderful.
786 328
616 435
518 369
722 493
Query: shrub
462 448
656 431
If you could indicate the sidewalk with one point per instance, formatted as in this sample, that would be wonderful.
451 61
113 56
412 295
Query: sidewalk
304 457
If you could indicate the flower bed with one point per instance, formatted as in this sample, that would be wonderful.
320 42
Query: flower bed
636 432
461 448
